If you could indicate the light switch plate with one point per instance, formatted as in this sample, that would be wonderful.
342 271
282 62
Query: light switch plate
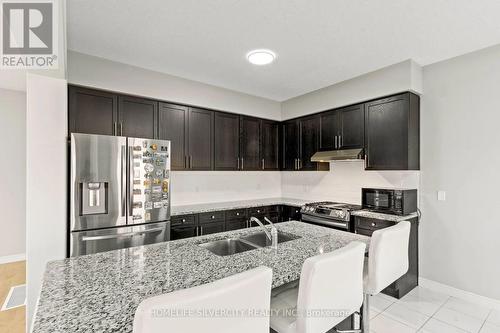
441 196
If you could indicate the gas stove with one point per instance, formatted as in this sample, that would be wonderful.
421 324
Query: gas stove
327 213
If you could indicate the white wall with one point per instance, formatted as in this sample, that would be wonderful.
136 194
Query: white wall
13 175
396 78
343 182
106 74
192 187
460 140
46 182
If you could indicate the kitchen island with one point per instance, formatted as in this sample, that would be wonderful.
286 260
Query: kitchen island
100 292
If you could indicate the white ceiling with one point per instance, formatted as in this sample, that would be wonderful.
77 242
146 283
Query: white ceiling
318 42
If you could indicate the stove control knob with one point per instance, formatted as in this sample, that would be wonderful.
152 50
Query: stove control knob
311 209
341 214
304 207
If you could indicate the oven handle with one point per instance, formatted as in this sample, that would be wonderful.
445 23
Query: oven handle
309 218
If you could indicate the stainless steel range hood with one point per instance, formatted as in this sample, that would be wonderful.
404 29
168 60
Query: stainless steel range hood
338 155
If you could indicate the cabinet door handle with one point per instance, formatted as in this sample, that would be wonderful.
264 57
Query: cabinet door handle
212 217
201 230
366 161
242 164
238 159
186 166
263 164
374 224
190 161
197 231
336 142
121 128
183 220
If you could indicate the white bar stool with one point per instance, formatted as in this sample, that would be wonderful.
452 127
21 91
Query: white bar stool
332 282
387 262
187 310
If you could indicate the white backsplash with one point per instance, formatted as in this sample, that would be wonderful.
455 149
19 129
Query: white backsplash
343 182
193 187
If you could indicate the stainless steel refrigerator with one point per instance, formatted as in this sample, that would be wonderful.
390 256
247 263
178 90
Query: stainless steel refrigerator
120 193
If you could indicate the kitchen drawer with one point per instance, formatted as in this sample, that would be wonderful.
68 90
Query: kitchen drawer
257 211
236 214
372 224
273 209
211 217
183 220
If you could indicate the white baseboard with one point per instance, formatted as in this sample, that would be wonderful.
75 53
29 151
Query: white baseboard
12 258
459 293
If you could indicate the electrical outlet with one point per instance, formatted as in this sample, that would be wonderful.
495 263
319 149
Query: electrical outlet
441 196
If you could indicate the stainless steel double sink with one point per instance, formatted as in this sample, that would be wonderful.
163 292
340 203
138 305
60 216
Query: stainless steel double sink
230 246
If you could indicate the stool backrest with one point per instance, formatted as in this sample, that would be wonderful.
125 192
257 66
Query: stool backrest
217 307
388 256
330 288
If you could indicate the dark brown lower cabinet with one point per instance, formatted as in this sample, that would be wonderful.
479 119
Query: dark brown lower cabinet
211 228
290 213
183 231
236 224
402 286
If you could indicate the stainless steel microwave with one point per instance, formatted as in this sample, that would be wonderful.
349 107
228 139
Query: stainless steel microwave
390 201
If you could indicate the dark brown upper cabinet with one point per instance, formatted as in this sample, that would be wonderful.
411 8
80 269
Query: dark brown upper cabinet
137 117
92 111
172 125
290 146
309 142
392 133
342 128
227 138
200 139
269 145
250 143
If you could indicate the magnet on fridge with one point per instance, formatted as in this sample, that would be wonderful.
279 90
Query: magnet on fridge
148 205
147 216
154 147
145 144
147 182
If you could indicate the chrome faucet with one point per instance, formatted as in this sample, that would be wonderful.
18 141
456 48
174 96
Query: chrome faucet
273 236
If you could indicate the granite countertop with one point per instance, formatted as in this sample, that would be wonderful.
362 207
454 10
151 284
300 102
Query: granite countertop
100 292
382 216
211 207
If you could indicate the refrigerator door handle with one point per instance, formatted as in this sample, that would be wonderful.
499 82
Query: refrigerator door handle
126 234
124 180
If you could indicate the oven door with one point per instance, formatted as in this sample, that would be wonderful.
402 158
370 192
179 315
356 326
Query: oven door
380 200
341 225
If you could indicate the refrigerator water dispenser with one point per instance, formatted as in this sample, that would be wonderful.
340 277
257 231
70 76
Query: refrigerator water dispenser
94 198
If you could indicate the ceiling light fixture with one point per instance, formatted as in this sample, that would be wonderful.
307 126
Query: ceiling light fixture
261 57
